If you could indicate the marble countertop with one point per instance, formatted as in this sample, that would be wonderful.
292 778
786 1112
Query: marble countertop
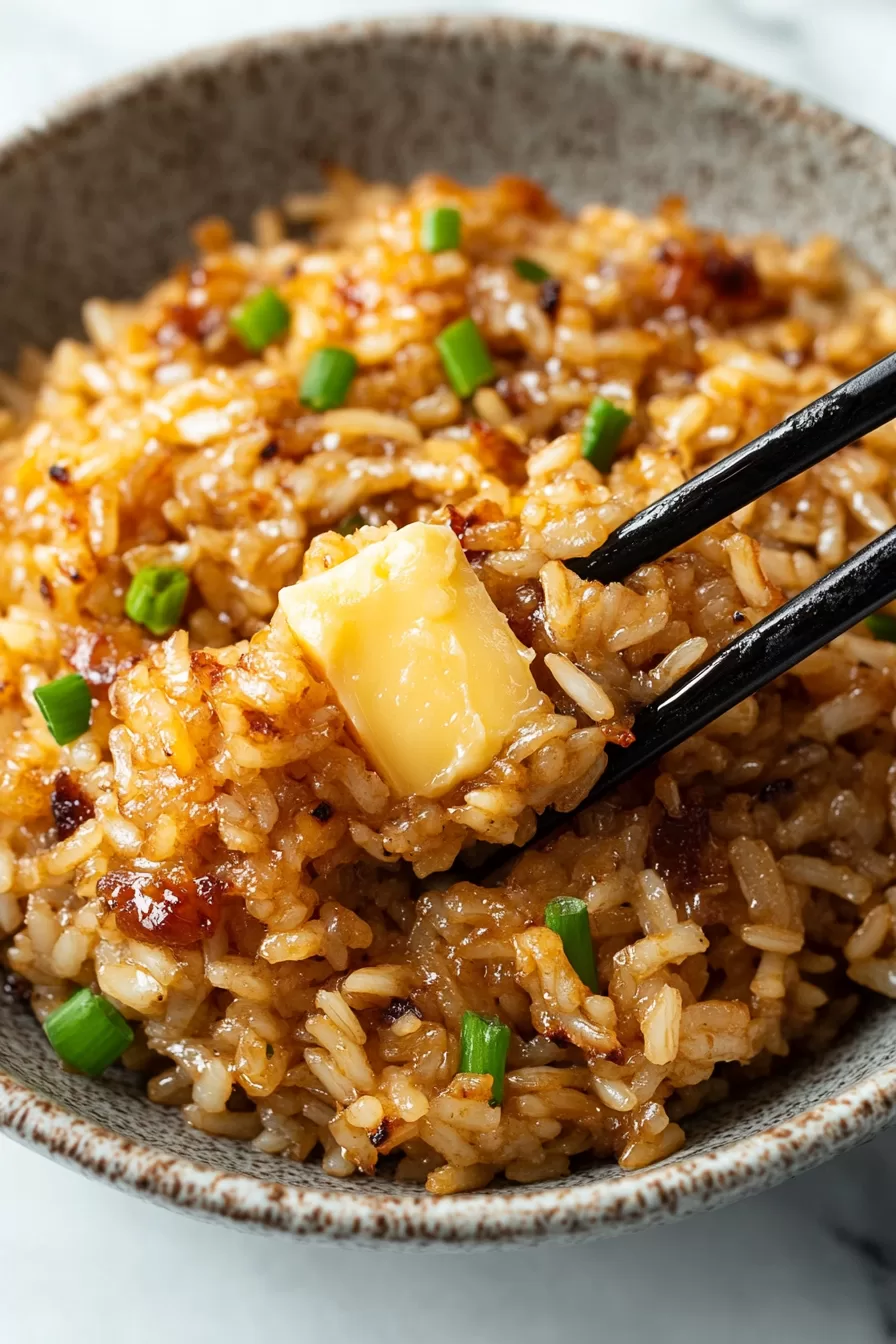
813 1261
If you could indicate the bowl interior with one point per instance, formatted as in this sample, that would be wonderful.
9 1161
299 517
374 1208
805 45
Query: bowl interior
100 203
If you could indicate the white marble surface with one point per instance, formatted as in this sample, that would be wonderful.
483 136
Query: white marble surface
812 1261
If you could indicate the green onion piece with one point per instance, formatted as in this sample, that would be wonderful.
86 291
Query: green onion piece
882 626
88 1033
260 320
156 598
465 356
350 524
604 426
327 378
483 1049
440 230
65 705
568 916
530 270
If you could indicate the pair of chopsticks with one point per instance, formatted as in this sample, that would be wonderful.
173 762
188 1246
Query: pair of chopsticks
839 600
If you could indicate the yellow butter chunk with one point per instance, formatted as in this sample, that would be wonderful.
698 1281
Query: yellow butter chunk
425 667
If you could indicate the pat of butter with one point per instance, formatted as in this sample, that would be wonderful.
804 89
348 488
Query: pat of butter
424 665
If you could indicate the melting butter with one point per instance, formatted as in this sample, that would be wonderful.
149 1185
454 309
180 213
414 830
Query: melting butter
424 665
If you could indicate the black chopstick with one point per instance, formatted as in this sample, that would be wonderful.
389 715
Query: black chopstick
805 438
839 600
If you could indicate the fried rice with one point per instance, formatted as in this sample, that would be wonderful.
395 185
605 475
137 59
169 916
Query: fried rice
217 856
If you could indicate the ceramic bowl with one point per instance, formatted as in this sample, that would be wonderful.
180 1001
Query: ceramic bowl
98 202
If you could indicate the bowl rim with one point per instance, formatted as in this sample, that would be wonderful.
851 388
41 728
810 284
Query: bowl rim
677 1187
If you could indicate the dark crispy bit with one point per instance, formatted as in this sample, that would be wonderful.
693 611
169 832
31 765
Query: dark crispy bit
186 323
170 909
702 276
207 667
497 453
239 1102
259 723
486 512
269 450
456 521
397 1008
684 851
46 591
738 617
620 734
59 474
323 811
549 296
731 277
70 805
776 788
381 1133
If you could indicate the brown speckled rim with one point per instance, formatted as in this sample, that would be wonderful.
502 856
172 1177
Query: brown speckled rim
489 1217
675 1188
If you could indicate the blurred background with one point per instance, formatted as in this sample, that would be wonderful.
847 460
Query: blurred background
840 50
812 1261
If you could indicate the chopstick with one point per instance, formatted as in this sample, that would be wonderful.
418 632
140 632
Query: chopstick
853 409
838 601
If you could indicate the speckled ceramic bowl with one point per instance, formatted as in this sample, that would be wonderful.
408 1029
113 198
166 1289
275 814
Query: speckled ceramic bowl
99 202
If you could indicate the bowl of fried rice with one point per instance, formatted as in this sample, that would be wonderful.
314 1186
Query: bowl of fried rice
320 356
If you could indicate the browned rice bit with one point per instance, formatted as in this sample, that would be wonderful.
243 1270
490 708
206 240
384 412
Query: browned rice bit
217 856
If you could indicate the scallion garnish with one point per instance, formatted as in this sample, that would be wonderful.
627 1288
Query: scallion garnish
568 916
530 270
483 1049
604 426
465 356
327 378
88 1033
882 626
350 524
156 598
440 230
65 705
260 320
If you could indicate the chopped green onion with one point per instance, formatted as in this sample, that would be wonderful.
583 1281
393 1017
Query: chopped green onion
604 426
88 1033
156 598
568 916
327 378
530 270
483 1049
65 705
882 626
465 356
260 320
440 230
350 524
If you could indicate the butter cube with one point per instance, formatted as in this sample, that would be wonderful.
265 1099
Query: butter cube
427 670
